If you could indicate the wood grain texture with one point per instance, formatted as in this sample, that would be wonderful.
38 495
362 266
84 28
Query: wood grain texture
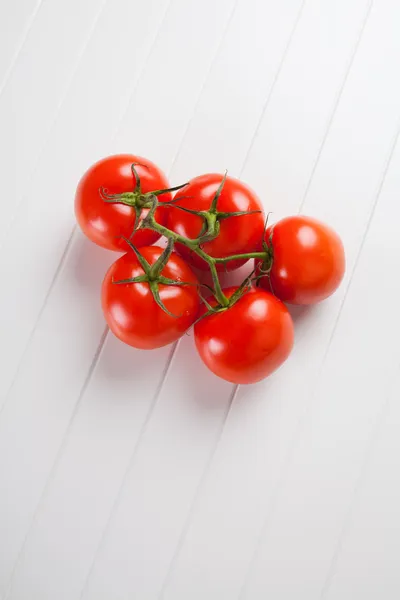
126 474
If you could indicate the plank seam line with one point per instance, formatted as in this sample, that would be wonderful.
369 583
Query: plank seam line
235 388
19 49
104 336
337 102
303 418
69 243
263 112
324 139
318 157
135 84
194 502
131 462
209 71
54 120
273 84
173 353
58 456
380 419
94 361
37 320
174 349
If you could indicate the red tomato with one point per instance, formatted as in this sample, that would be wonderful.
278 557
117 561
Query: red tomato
131 311
248 341
308 260
239 234
105 223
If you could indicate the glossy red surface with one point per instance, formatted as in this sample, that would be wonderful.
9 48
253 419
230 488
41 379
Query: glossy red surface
309 260
248 341
131 311
237 235
105 223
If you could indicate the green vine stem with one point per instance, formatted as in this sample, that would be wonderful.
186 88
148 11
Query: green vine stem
210 230
149 222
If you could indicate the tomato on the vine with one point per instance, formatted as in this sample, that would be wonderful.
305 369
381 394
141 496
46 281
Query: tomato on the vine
308 260
131 310
237 234
104 222
247 341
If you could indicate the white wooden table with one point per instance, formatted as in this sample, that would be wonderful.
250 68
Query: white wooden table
130 475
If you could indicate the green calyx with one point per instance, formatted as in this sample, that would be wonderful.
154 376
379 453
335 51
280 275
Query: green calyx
265 266
136 199
209 231
236 296
211 217
152 274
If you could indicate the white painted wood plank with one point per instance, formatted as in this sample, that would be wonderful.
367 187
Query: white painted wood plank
64 538
157 493
86 122
84 131
46 569
231 506
351 394
166 455
286 148
240 87
44 397
46 534
35 91
302 531
126 543
72 314
173 79
367 561
16 19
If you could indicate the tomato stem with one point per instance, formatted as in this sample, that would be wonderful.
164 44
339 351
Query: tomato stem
213 207
210 230
166 190
162 260
156 295
246 256
218 293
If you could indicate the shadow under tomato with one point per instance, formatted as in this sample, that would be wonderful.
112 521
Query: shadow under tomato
120 363
196 382
300 314
90 262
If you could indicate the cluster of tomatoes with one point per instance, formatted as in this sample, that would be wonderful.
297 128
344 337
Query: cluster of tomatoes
151 296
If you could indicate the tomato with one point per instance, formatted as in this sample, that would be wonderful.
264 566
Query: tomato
308 260
131 310
237 235
104 223
248 341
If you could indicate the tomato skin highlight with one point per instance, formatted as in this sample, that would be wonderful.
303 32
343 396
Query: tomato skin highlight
238 235
308 260
248 341
131 311
104 223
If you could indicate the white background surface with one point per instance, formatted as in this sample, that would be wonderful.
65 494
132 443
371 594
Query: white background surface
129 475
